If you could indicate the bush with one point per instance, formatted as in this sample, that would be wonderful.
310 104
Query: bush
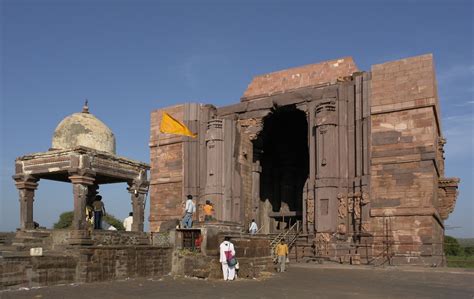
65 221
452 247
469 251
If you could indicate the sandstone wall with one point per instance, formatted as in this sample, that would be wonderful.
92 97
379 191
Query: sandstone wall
304 76
405 164
166 181
252 253
26 271
120 262
93 264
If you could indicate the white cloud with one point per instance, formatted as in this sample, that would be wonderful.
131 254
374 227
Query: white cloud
467 103
455 72
459 132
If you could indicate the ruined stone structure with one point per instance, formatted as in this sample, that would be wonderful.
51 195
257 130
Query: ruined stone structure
82 153
355 156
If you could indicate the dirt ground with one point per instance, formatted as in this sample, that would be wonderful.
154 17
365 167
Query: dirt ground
300 281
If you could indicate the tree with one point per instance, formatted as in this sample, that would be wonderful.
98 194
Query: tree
65 221
469 250
451 246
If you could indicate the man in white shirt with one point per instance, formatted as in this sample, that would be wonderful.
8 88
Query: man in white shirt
253 227
189 210
227 246
127 222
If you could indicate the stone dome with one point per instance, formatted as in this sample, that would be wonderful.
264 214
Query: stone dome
83 129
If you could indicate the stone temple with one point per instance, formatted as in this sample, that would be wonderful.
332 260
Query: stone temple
352 159
83 154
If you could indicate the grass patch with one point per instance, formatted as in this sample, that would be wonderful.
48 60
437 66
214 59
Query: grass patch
460 261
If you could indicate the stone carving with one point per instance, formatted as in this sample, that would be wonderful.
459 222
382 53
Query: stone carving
322 244
329 106
325 113
140 184
251 126
447 193
365 199
350 204
342 206
365 227
310 210
356 209
441 143
341 229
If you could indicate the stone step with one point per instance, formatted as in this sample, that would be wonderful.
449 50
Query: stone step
25 252
6 238
33 234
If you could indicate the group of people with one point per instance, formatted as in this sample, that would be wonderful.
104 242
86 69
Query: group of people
208 209
230 265
190 209
96 211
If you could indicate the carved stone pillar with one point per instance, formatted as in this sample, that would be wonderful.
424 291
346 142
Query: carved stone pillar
308 196
326 165
256 171
26 186
214 175
80 183
138 190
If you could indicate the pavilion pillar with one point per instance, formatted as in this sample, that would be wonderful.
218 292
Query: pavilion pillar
80 185
138 206
81 179
26 186
138 190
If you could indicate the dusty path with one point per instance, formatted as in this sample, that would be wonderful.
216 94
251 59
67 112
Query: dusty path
301 281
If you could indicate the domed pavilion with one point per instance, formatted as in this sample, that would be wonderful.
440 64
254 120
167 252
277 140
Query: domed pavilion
82 153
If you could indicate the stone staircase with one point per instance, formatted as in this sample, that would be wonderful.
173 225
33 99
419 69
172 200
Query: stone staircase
6 240
32 238
19 243
305 249
290 236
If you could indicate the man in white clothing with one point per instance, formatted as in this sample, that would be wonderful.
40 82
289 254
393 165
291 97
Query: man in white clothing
253 227
189 210
229 272
127 222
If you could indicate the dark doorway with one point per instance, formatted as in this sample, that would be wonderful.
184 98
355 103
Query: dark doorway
285 166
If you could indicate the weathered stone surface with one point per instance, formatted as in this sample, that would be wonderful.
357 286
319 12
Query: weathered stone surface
447 194
308 75
369 174
93 264
83 129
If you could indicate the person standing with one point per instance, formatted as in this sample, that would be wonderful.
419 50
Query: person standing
253 227
99 211
227 252
127 222
208 210
89 218
281 251
189 210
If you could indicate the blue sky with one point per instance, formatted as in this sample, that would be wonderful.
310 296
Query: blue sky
131 57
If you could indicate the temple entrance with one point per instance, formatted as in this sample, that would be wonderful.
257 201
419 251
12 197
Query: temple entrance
285 166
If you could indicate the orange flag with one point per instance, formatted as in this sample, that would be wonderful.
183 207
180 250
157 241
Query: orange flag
170 125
